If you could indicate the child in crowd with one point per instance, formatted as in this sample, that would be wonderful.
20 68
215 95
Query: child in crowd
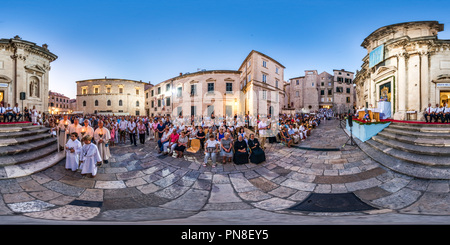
90 157
73 149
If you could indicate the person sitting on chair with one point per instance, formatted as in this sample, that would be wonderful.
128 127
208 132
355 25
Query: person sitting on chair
240 151
257 154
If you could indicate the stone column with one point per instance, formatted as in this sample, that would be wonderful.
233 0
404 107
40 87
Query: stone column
424 80
401 85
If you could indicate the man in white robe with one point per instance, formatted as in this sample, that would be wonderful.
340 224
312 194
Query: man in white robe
89 157
101 138
75 128
73 150
63 131
87 130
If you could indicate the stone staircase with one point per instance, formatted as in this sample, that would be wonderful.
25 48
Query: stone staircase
417 150
26 149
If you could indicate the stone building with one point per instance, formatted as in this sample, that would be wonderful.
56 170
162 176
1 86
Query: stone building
58 103
255 88
24 68
261 84
111 96
314 91
406 64
199 94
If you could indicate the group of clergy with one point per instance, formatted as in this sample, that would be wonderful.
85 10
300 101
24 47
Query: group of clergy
86 148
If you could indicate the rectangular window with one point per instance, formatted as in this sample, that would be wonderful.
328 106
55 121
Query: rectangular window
168 101
179 91
137 91
322 92
348 99
84 91
210 87
312 84
152 93
108 90
193 110
120 90
229 87
276 70
153 104
159 90
229 110
276 83
95 90
297 82
193 89
264 63
297 94
348 90
168 87
330 92
264 95
264 78
159 103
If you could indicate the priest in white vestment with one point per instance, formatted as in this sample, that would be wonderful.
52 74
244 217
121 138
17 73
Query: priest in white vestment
75 128
101 138
63 131
86 130
73 150
89 157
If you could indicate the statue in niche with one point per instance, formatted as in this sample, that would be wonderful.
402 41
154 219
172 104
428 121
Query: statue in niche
34 88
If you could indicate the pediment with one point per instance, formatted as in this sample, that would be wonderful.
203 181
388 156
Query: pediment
383 71
35 68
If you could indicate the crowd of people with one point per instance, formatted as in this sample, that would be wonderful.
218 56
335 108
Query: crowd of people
87 138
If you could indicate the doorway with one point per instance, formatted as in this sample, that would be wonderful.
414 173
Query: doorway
444 97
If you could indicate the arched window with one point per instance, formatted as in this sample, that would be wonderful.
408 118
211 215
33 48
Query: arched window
96 103
120 102
84 103
108 103
137 103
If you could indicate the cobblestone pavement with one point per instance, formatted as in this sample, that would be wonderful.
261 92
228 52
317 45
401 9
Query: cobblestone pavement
140 186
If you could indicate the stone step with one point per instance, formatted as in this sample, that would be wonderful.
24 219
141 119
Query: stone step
24 133
423 125
27 156
424 129
31 167
411 148
18 128
417 170
31 146
6 125
24 139
426 160
417 134
436 141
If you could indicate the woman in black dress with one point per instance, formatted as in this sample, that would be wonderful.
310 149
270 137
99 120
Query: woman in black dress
257 154
240 151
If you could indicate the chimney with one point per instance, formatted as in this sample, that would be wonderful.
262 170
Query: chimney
181 73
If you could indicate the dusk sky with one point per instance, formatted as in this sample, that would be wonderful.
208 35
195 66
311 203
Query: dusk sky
156 40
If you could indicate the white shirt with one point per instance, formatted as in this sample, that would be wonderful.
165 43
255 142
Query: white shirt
262 125
123 125
2 110
430 109
131 126
16 109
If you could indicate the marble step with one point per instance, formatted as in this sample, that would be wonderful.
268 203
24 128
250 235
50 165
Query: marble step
24 157
7 125
413 169
31 146
417 149
436 141
23 140
426 160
